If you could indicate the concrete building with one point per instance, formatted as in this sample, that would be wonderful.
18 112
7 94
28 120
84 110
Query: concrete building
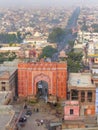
8 84
95 80
81 88
12 49
5 97
78 48
8 79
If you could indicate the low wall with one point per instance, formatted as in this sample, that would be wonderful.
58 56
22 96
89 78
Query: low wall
93 128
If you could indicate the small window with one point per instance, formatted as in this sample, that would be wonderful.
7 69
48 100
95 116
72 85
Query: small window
89 96
71 111
2 82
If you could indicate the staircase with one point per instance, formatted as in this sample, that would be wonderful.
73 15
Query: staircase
90 121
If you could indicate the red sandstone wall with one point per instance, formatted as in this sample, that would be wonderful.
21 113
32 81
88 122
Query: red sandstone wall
54 73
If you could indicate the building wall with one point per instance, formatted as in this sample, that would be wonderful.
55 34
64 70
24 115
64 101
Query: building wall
87 110
6 85
88 106
55 74
96 105
8 82
86 103
71 105
96 60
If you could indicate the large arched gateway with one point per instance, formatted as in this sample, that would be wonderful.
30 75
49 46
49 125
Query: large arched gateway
50 76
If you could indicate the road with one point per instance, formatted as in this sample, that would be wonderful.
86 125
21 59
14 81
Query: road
32 124
68 37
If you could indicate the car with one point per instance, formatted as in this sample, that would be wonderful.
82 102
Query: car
28 113
22 119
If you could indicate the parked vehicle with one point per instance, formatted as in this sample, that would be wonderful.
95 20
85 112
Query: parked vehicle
23 119
28 113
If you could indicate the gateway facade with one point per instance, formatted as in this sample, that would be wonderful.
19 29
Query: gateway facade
50 76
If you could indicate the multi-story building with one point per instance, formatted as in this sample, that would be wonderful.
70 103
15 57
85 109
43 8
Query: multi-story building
81 88
8 79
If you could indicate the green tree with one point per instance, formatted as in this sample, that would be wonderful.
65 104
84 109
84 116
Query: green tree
57 35
48 51
74 62
7 56
8 38
19 37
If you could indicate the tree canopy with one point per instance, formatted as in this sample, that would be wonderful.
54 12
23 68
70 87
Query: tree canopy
57 35
7 56
95 27
10 38
74 61
47 51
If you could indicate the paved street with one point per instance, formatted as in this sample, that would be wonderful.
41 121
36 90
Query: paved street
31 123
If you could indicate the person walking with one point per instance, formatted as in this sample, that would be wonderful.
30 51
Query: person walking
41 122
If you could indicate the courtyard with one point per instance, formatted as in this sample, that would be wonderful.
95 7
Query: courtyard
40 112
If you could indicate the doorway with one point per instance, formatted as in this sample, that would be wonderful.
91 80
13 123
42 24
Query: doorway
42 90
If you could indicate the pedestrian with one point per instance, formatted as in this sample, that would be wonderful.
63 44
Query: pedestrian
37 110
41 122
62 119
25 106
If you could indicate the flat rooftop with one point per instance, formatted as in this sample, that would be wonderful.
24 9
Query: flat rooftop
4 96
7 69
9 48
80 80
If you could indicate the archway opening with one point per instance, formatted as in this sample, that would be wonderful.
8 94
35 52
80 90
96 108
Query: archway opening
42 90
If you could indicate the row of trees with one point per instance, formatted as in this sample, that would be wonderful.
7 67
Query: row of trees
11 38
7 56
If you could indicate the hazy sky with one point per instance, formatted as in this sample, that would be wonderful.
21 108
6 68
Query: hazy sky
26 3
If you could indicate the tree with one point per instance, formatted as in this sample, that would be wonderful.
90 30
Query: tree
8 38
48 51
95 27
57 35
74 61
19 37
7 56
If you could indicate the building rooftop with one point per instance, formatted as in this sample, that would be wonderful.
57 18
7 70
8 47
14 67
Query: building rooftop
8 68
7 71
80 80
9 48
4 96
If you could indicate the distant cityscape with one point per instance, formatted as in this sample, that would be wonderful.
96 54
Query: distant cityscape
49 68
